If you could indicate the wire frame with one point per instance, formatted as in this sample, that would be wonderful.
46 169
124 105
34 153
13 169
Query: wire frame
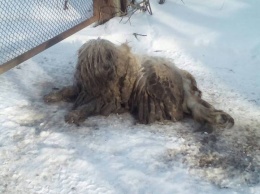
25 24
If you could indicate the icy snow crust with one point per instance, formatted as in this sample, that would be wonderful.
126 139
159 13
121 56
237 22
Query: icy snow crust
217 41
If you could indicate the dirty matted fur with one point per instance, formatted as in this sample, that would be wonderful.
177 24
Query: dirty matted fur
111 79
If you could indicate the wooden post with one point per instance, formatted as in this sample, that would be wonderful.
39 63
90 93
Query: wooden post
106 9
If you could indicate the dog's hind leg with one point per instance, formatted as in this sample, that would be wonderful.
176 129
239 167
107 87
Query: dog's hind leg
201 110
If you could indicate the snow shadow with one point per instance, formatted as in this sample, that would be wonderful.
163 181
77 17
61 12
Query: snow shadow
23 87
221 157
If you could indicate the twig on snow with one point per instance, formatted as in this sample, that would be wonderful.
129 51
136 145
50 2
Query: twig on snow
136 34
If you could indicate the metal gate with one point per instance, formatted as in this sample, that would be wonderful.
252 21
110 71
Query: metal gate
27 27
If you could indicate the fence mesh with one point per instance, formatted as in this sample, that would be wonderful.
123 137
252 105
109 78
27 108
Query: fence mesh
25 24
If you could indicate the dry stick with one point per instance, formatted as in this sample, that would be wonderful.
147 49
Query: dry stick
130 17
148 7
145 7
135 34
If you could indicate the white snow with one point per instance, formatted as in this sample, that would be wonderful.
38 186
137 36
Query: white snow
217 41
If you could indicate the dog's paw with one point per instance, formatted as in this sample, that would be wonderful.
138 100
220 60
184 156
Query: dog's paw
224 120
73 118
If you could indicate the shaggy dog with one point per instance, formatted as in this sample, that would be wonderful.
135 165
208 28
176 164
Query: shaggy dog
111 79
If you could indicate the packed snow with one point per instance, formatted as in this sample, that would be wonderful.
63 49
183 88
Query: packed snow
217 41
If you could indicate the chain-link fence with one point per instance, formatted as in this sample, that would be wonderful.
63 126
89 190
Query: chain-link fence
25 24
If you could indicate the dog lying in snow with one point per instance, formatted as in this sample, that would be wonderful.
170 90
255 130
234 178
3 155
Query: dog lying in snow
111 79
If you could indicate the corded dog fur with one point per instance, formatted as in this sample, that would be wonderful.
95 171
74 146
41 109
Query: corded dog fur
111 79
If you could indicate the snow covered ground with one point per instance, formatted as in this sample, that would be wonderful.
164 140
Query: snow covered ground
217 41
